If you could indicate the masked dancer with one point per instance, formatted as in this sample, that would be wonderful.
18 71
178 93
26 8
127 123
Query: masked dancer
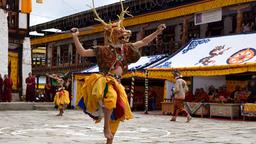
103 96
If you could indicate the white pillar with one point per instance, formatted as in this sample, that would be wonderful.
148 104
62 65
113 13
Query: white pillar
26 62
3 43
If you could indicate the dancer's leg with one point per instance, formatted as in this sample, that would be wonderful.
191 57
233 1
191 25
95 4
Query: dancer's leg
107 129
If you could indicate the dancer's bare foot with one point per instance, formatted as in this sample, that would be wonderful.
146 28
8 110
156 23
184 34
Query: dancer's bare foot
109 141
108 134
173 119
60 114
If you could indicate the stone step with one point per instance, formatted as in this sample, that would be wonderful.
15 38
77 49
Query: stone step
44 107
26 106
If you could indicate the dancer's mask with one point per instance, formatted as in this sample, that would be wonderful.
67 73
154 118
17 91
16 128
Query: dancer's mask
115 33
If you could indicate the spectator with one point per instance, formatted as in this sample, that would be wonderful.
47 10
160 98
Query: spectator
189 96
203 96
48 93
7 96
234 93
68 87
152 99
246 28
252 90
180 89
1 87
30 90
212 94
241 95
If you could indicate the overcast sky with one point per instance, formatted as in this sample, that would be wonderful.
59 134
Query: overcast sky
53 9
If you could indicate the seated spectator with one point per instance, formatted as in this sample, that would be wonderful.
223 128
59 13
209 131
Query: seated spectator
242 95
233 93
197 93
221 95
223 92
203 96
246 28
189 96
212 94
252 89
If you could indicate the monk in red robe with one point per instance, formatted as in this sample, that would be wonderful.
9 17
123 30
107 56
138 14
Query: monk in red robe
7 95
47 91
1 87
30 91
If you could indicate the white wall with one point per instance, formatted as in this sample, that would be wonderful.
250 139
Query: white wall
3 43
205 82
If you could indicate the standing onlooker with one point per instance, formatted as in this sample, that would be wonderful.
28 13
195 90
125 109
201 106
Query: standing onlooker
47 91
68 87
152 99
252 89
179 96
54 86
7 95
246 28
1 87
30 91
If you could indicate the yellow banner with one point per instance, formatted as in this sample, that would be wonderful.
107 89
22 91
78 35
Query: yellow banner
26 6
13 68
165 73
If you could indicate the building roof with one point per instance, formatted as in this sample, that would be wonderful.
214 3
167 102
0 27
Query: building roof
139 18
139 65
213 56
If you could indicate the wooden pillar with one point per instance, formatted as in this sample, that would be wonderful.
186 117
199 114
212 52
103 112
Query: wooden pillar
70 54
185 31
46 56
239 16
239 21
76 58
3 3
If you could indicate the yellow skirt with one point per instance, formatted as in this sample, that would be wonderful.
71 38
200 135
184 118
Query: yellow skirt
61 98
101 91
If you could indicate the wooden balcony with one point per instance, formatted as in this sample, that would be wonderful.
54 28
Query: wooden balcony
63 68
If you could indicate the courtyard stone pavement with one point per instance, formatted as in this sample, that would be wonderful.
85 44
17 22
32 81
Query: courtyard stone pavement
43 127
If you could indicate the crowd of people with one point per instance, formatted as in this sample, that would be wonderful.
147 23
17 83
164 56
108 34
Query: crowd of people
221 94
59 90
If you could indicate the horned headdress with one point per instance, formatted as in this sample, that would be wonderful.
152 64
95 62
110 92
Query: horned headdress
114 32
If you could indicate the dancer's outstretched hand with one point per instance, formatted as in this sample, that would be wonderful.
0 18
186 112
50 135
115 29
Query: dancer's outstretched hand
75 31
161 27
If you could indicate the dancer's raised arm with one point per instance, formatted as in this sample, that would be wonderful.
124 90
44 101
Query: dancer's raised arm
80 49
145 41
